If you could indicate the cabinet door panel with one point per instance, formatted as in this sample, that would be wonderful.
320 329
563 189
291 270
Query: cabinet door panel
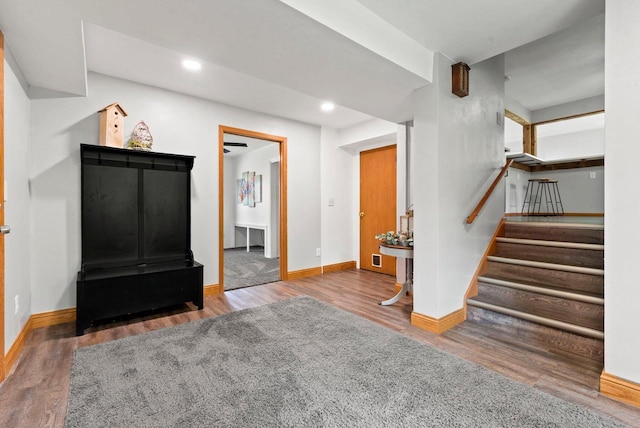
166 213
109 214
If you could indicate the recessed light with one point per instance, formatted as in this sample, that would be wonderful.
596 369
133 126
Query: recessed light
191 65
327 106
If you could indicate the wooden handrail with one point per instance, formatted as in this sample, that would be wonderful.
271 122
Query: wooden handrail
484 199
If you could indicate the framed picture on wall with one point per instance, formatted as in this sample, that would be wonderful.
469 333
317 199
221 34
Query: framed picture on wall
257 188
251 195
249 189
240 190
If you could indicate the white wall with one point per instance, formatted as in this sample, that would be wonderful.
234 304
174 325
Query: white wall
258 161
577 145
516 183
274 251
513 134
17 205
229 202
179 124
622 294
336 200
366 135
579 191
459 149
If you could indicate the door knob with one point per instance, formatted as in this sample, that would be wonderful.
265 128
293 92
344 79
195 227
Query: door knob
4 229
361 214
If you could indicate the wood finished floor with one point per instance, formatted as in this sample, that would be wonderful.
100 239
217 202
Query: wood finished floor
35 394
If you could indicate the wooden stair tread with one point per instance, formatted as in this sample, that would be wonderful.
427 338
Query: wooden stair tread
570 281
545 243
546 265
582 257
571 312
596 334
594 291
542 288
562 232
557 225
538 337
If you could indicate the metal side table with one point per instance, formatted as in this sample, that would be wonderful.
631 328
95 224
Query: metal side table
405 253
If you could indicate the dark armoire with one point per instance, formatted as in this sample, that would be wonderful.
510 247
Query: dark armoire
136 234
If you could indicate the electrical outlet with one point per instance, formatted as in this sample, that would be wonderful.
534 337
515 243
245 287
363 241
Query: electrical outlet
16 305
317 252
592 174
517 176
332 202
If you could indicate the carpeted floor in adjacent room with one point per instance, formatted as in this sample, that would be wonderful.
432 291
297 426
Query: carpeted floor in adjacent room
244 269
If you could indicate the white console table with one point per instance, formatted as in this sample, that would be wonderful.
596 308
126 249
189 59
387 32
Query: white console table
248 227
405 253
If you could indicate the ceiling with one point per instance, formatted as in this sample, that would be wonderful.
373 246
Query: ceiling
252 144
563 67
284 57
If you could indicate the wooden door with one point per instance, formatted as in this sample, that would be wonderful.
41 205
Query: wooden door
377 206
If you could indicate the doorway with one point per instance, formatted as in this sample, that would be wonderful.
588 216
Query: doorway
252 208
377 206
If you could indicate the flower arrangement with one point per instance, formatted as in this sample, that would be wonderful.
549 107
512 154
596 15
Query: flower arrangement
404 239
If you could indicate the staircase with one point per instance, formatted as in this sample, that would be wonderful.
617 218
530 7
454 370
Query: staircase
547 273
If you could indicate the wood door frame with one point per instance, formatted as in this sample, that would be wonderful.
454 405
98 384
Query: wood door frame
282 142
530 130
2 290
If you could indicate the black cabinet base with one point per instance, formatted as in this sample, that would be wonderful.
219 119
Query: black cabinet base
109 293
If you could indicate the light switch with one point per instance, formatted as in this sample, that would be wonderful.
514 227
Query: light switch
592 174
332 202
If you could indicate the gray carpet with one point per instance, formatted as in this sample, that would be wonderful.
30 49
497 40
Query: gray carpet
244 269
298 363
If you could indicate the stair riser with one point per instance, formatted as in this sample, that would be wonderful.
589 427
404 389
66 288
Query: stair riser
569 311
564 256
522 231
566 281
560 342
